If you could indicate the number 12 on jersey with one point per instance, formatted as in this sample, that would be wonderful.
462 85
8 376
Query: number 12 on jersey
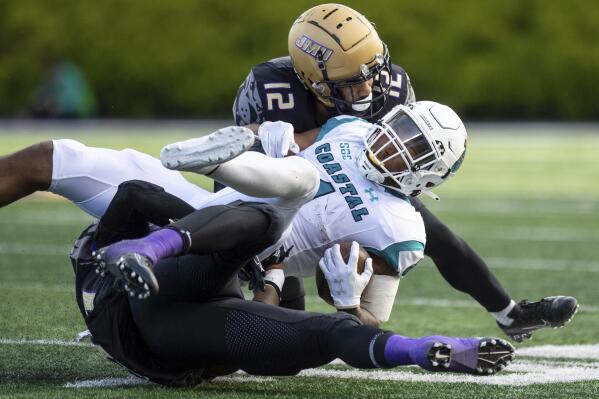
275 98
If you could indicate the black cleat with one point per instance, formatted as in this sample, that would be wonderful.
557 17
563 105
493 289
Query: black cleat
553 311
480 356
134 270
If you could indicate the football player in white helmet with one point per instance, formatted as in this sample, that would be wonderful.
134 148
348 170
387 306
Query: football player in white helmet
414 148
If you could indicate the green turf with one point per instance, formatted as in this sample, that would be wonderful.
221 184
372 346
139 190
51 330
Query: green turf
521 201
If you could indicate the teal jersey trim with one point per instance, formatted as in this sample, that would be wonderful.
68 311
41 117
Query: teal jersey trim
332 123
391 253
325 188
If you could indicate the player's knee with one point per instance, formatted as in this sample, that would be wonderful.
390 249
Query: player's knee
344 319
133 190
277 223
261 225
309 178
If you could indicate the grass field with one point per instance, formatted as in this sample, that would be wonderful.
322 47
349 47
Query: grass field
528 203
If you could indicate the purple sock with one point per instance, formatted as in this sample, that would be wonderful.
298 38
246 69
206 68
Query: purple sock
164 243
157 245
397 350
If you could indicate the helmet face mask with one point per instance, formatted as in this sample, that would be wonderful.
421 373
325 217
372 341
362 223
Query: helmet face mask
332 91
334 50
414 148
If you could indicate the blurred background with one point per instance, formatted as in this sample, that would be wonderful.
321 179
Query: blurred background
492 60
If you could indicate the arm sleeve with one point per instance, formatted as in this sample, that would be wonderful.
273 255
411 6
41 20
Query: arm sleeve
247 107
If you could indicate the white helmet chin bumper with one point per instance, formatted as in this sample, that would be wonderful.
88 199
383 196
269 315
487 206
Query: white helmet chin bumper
428 137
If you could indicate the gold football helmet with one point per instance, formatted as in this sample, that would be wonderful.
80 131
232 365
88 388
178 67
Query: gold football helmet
333 46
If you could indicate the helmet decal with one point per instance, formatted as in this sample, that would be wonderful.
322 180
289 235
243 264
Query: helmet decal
312 48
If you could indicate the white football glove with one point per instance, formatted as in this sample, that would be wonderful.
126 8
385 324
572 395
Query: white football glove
345 284
277 139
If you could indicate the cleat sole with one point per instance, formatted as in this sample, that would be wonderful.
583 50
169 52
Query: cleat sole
493 356
135 272
196 154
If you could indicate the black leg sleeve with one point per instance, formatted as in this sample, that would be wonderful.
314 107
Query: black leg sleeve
240 227
461 267
257 338
135 204
223 239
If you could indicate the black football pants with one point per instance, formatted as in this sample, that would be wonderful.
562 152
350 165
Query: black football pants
199 320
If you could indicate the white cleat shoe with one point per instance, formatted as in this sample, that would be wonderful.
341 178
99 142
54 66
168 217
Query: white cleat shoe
202 154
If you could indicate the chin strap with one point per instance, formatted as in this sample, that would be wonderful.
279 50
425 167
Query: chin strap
431 195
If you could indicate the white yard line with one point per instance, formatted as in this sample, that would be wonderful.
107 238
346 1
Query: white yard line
570 265
108 382
562 351
529 207
43 342
442 303
519 373
543 234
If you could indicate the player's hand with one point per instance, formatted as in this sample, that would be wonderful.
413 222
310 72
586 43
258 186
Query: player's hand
277 139
345 284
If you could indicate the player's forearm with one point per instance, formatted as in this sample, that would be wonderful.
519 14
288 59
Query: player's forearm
307 138
253 127
269 295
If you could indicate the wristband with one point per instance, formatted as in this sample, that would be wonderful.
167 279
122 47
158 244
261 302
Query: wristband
276 278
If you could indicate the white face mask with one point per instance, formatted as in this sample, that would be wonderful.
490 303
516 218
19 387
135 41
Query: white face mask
362 107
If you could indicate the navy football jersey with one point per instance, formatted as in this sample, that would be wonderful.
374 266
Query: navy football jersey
272 92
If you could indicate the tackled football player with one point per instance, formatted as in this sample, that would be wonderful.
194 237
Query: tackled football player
337 64
196 325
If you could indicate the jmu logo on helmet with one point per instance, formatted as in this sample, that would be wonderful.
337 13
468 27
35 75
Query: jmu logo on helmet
312 47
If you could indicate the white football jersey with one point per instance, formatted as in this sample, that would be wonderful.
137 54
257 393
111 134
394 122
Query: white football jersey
348 207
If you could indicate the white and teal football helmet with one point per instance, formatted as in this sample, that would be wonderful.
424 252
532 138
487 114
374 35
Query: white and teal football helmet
414 148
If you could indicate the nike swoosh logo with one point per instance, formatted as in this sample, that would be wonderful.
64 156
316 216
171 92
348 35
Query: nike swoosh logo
545 324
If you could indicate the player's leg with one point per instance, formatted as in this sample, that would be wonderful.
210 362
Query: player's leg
464 270
231 234
135 205
267 340
292 181
90 176
293 295
87 176
25 172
